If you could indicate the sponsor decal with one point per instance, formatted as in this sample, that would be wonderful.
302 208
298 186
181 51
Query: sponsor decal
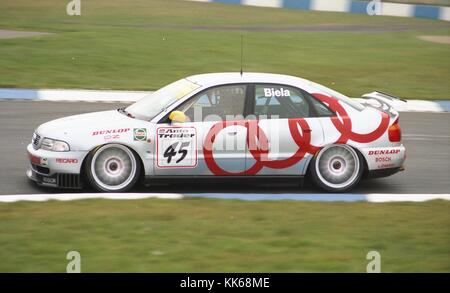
386 166
384 152
49 180
66 161
383 159
140 134
176 147
110 137
271 92
110 131
178 132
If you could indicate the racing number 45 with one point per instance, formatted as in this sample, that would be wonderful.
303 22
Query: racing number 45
171 152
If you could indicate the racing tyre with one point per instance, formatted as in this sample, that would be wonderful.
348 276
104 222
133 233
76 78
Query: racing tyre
112 168
337 168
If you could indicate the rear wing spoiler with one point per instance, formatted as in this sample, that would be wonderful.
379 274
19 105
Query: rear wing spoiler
385 101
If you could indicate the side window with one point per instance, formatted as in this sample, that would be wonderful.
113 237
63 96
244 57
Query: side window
280 101
321 109
216 104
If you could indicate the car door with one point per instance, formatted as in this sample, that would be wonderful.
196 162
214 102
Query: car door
288 126
213 139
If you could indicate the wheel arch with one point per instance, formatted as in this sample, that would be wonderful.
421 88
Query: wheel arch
358 151
362 157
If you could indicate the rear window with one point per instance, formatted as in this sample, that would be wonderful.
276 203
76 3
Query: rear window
349 101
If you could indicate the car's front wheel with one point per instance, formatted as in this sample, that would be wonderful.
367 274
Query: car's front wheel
112 168
337 168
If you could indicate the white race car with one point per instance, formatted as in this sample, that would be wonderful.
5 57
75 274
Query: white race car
224 124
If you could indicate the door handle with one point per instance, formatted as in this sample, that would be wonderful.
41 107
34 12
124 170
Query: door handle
306 130
234 132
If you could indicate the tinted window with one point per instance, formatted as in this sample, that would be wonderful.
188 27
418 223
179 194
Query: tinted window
216 103
280 101
321 109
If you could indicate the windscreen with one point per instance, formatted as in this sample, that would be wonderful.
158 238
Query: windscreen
151 105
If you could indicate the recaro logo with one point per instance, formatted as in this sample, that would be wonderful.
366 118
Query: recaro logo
66 161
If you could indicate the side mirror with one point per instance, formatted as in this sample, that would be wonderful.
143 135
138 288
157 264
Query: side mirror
177 116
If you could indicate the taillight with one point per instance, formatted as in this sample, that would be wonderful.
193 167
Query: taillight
394 132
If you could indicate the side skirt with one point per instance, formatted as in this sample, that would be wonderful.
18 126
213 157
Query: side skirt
253 179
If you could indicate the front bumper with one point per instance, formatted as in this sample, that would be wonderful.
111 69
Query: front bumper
55 169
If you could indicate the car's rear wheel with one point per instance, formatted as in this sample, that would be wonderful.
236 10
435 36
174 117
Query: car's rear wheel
112 168
337 168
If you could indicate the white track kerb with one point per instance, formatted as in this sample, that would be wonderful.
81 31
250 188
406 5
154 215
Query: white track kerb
374 7
78 196
110 96
375 198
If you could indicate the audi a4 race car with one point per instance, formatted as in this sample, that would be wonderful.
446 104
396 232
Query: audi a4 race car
224 124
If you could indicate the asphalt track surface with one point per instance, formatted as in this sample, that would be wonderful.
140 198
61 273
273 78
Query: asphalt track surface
426 136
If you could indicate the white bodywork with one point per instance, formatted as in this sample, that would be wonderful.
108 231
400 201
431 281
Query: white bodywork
86 132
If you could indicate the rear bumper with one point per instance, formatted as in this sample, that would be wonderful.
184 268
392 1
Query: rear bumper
55 169
383 172
384 160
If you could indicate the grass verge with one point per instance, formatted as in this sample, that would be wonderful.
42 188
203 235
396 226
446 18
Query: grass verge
202 235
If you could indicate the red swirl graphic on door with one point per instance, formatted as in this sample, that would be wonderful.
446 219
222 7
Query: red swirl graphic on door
258 143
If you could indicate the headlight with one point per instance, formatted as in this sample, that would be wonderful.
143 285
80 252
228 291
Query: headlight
54 145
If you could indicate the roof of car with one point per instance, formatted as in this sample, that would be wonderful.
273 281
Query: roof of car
213 79
209 79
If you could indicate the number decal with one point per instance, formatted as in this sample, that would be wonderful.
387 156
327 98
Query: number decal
183 151
170 151
176 147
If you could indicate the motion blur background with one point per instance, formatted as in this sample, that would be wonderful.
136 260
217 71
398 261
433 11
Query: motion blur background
145 44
